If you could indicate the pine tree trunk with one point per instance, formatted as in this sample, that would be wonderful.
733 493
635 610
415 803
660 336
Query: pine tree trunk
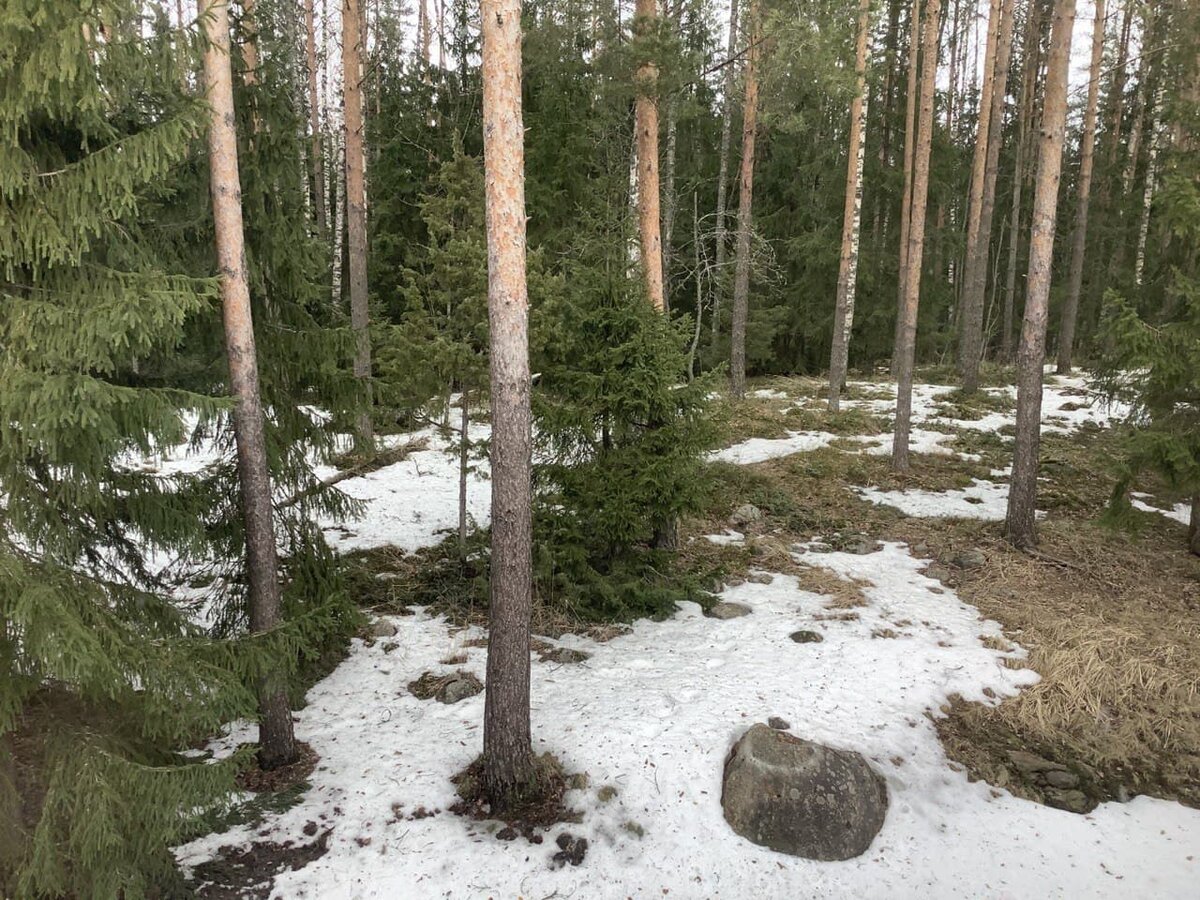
356 205
741 284
277 744
1032 49
1022 496
910 122
464 457
669 203
723 166
1070 312
646 124
983 192
916 238
316 154
843 315
1194 525
249 45
508 763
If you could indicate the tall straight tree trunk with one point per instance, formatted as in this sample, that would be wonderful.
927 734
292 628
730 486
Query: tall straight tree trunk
741 283
910 123
1139 262
316 152
1087 148
982 200
277 743
1194 525
356 205
1022 495
464 458
1032 48
509 769
916 238
723 166
646 124
696 251
669 201
843 314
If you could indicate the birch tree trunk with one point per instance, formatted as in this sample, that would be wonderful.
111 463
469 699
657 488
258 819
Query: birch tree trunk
983 192
741 284
316 155
843 315
646 123
1022 496
1139 263
916 239
509 769
277 744
1087 148
356 205
723 166
910 121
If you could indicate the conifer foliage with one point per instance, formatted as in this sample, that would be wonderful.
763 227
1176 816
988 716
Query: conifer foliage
102 679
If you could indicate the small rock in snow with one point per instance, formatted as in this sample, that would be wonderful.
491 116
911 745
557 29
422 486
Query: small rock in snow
779 724
383 628
760 578
728 610
565 655
806 637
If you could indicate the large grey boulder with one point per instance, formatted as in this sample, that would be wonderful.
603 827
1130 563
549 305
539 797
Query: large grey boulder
802 798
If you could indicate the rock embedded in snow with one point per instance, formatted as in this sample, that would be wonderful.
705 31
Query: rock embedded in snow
565 655
802 798
745 514
383 628
760 578
459 689
728 610
779 724
806 637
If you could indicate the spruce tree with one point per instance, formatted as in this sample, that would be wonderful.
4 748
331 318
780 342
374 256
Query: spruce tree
103 680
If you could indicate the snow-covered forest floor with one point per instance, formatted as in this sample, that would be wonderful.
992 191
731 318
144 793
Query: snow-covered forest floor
913 624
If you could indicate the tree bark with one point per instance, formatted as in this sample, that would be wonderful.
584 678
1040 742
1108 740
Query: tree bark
1032 47
979 223
916 239
1139 263
277 744
723 167
669 202
356 206
1022 496
1087 148
464 458
509 770
741 284
1194 525
843 315
910 121
316 152
646 123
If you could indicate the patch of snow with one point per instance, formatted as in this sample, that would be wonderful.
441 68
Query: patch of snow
1180 512
729 537
653 714
982 500
413 503
758 450
769 394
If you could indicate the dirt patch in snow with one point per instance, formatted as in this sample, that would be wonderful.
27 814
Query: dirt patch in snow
247 873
